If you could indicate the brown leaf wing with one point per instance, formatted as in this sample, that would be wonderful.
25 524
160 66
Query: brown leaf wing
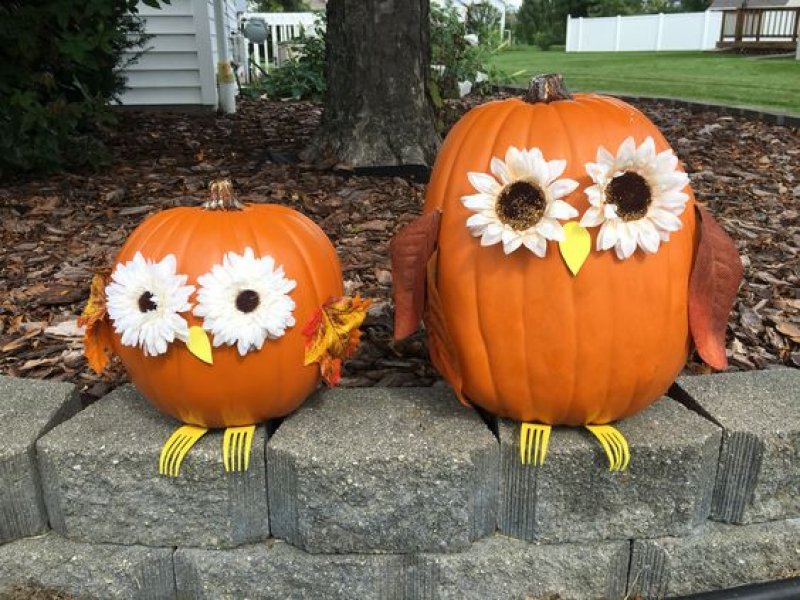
715 279
410 249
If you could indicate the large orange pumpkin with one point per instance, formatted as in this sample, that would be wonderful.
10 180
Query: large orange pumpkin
520 335
235 390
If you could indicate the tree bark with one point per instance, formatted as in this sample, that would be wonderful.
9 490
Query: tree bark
377 108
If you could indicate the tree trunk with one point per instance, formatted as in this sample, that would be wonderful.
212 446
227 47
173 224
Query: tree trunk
377 109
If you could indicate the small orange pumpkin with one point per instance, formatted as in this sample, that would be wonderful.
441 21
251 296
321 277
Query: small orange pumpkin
236 389
519 334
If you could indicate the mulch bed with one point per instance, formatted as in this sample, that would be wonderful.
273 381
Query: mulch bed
57 230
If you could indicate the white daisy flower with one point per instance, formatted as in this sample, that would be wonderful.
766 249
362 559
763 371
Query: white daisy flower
245 301
520 203
144 300
637 197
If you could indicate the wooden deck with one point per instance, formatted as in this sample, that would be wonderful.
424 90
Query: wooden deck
760 29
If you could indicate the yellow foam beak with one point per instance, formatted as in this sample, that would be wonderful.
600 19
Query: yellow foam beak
575 246
199 344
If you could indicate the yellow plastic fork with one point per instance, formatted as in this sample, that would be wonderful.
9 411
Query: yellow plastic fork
533 441
236 446
176 448
614 444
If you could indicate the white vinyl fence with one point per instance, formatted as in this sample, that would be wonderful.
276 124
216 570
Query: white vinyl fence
678 31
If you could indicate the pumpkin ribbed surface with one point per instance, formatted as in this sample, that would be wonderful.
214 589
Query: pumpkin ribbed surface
534 342
235 390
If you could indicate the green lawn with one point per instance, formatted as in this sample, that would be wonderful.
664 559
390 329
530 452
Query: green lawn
724 78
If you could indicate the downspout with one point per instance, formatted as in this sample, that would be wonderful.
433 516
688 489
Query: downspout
226 82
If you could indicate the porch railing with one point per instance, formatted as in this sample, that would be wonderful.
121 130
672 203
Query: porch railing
760 26
282 28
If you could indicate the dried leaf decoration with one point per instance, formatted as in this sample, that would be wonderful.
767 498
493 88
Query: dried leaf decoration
713 286
97 340
332 334
410 249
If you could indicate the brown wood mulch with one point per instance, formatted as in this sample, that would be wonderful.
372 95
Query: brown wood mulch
57 230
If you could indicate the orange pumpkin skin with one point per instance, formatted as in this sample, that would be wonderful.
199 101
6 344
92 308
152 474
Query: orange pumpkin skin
263 384
533 342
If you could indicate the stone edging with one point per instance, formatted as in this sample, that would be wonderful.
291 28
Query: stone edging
396 493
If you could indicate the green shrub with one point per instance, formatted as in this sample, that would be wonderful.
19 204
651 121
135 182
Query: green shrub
543 39
57 76
303 76
454 59
483 19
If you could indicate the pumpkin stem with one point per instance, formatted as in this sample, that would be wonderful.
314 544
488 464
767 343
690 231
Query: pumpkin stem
546 88
221 196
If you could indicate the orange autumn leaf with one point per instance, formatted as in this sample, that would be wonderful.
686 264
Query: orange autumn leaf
332 334
97 338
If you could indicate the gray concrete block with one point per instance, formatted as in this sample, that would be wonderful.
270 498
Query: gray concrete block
759 471
666 490
28 409
87 570
501 568
716 556
382 470
277 570
101 481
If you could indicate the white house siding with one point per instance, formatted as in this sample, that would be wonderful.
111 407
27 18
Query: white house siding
178 66
231 23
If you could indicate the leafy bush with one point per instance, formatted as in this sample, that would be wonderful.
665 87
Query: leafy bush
454 59
544 22
303 76
57 75
483 19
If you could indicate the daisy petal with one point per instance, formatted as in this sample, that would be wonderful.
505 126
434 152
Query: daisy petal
672 200
608 236
646 152
648 236
478 201
676 180
626 244
490 238
555 169
477 220
516 163
558 209
595 195
627 152
550 229
536 244
664 220
484 183
598 172
562 187
537 167
592 217
666 161
604 157
512 244
500 171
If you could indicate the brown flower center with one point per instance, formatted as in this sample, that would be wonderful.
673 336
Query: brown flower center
521 205
631 194
247 301
146 303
